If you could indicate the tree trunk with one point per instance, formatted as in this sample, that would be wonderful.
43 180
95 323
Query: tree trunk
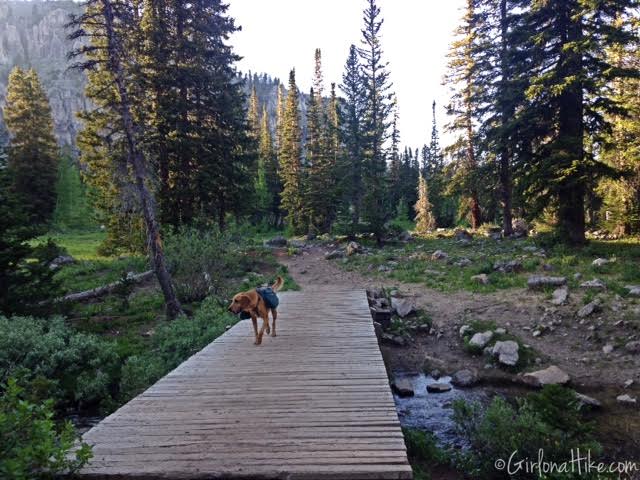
571 190
506 114
136 160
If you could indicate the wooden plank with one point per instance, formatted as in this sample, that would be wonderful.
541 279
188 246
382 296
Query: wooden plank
312 403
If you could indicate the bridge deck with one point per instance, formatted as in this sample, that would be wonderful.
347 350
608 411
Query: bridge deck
312 403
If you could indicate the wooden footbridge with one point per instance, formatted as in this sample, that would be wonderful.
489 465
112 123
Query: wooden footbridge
312 403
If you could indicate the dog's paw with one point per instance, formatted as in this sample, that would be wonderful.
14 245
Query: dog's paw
268 330
273 334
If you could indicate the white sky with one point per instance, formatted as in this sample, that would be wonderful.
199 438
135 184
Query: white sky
280 34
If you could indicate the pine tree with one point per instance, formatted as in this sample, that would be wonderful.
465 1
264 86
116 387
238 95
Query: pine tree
351 185
425 221
290 160
375 121
268 180
280 107
465 110
32 152
253 114
395 185
104 24
621 195
569 95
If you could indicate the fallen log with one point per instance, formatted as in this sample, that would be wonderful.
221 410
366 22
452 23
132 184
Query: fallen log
103 290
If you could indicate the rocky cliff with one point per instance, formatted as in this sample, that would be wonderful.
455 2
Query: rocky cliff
32 35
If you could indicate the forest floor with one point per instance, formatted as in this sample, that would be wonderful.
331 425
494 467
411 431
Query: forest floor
444 292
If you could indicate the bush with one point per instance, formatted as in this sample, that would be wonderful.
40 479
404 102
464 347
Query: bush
52 360
549 421
31 445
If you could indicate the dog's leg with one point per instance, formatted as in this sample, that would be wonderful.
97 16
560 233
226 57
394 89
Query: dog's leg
274 314
265 323
254 320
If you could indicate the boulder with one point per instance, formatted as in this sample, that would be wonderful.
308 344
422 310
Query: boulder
607 349
549 376
403 387
464 378
462 235
596 284
633 347
465 329
560 296
278 241
480 340
508 266
438 387
439 255
507 352
588 309
463 262
61 260
482 279
405 237
353 248
296 243
333 254
520 227
396 340
402 306
540 281
600 262
587 401
626 399
633 290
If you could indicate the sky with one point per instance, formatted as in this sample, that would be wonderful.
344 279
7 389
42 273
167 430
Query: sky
278 35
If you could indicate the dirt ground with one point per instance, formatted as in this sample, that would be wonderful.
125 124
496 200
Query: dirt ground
572 346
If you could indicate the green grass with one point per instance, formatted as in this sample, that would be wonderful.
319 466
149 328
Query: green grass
412 263
80 245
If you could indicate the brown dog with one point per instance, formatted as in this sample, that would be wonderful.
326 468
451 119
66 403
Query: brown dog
252 303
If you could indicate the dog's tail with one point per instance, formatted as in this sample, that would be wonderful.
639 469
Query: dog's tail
277 284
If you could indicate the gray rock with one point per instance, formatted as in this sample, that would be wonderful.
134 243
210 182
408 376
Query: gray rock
507 352
61 261
278 241
500 331
353 248
626 399
394 339
549 376
628 383
577 276
438 387
402 306
480 340
596 284
464 378
439 255
588 309
384 268
588 401
607 349
296 243
633 347
560 296
508 266
540 281
403 387
463 262
462 235
405 236
633 290
333 254
600 262
465 329
482 279
520 228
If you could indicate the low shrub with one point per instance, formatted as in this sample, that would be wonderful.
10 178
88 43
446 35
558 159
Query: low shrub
32 446
51 360
549 421
423 452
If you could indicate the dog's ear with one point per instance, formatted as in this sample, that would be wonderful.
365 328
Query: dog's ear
244 301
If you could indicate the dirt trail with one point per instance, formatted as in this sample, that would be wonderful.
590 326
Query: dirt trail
515 310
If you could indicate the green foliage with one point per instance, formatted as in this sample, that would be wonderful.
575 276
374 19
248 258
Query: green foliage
25 276
52 360
423 452
33 151
549 420
32 445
